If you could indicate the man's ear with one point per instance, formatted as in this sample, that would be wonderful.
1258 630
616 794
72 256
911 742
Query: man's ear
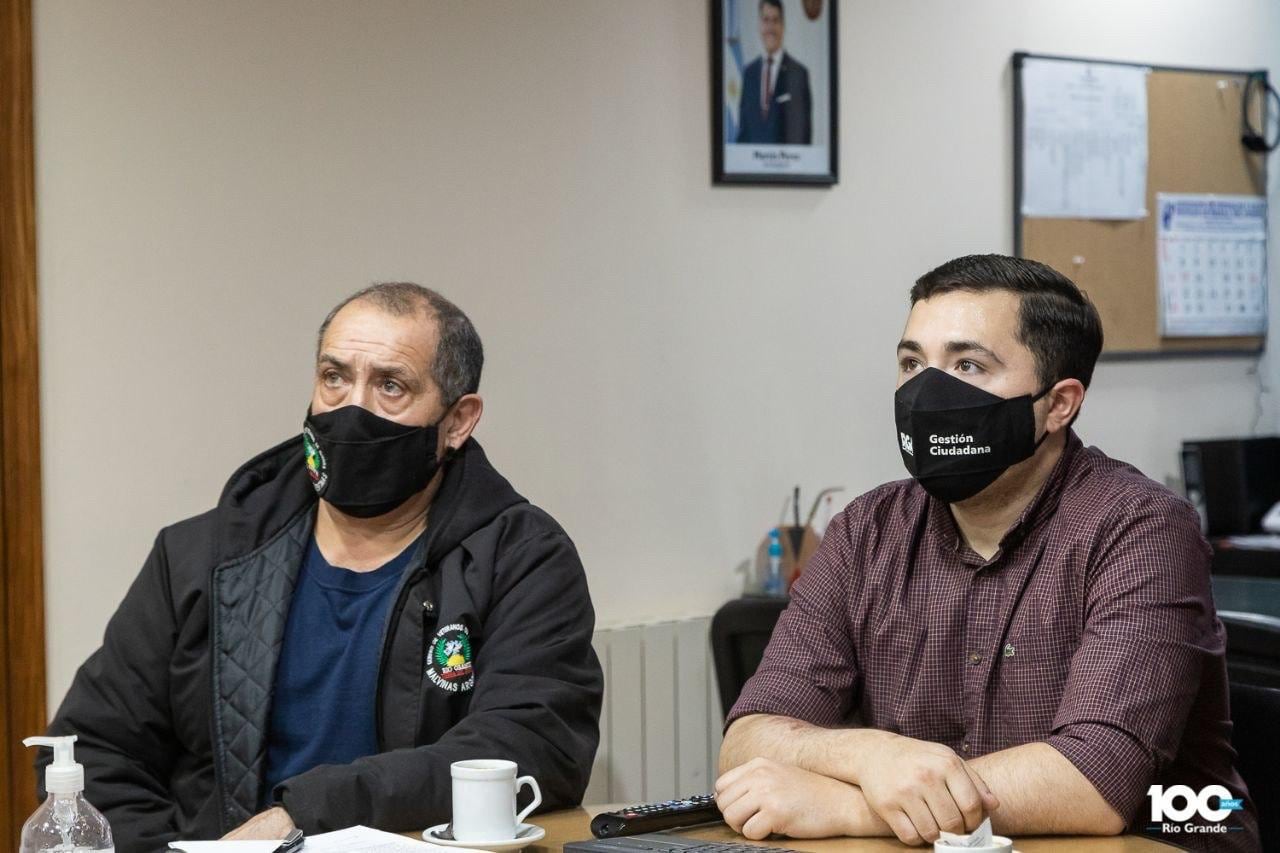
1065 399
461 421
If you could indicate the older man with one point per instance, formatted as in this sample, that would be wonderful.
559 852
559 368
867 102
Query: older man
369 602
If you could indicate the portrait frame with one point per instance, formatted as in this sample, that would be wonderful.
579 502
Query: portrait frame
777 145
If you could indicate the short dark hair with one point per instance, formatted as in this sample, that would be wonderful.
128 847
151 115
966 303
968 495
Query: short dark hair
777 4
459 356
1056 320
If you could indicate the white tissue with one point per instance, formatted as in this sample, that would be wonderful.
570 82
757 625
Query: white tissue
980 837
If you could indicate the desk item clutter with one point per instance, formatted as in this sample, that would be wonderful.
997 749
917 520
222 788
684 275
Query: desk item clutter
781 555
779 560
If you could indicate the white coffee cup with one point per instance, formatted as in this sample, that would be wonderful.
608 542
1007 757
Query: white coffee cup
484 799
999 844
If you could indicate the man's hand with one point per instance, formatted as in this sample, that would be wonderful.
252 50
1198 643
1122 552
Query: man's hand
919 788
271 825
763 797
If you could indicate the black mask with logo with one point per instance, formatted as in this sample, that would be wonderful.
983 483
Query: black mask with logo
366 465
957 439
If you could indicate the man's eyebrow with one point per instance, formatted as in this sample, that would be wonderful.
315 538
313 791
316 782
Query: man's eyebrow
913 346
331 360
395 371
957 347
399 373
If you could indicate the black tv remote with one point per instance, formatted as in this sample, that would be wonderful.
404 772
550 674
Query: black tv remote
655 817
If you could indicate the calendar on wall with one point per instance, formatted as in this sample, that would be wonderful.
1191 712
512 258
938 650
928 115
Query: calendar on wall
1212 264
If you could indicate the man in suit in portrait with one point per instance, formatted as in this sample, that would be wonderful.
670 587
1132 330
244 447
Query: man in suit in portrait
775 108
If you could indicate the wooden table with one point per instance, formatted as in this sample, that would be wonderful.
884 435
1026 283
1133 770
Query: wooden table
574 825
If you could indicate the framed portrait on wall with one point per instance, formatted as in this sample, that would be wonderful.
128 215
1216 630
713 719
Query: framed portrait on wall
773 92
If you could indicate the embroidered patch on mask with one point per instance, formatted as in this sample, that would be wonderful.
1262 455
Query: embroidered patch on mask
317 467
449 659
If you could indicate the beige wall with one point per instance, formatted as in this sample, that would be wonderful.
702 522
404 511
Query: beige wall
666 359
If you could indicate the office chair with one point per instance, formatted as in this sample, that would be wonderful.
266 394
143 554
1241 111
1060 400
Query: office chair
739 632
1253 648
1254 711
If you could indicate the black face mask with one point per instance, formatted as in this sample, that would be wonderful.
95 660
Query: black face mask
366 465
957 439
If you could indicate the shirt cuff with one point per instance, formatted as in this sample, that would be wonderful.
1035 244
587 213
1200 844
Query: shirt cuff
773 692
1113 762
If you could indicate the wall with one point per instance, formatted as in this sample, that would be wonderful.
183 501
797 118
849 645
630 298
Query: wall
666 359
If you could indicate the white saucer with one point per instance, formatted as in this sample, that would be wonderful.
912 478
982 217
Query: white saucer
526 834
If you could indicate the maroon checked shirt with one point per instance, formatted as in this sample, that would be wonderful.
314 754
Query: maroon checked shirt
1091 629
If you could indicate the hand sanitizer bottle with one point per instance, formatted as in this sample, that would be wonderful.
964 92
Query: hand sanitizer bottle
66 823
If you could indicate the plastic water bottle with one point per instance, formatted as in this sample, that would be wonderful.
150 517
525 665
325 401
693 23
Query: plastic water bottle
65 823
773 580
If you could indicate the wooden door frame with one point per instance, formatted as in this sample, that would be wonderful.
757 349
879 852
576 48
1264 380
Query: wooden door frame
22 638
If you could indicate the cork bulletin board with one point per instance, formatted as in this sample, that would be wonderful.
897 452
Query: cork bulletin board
1193 146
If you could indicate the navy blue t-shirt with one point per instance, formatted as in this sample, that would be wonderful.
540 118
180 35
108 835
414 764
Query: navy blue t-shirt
323 706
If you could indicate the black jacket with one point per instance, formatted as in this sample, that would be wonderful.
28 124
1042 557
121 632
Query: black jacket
172 711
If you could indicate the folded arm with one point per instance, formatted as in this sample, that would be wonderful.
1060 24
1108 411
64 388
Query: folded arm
1034 781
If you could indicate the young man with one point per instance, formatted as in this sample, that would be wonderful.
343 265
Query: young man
1024 629
369 602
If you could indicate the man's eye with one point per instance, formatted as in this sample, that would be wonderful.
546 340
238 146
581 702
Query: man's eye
908 364
967 366
392 389
332 379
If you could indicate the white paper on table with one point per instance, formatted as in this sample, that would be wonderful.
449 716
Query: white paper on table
366 840
1211 263
356 839
1084 140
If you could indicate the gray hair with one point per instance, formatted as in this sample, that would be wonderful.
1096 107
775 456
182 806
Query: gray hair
459 355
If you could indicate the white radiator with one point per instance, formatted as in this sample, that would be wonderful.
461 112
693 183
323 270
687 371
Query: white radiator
660 727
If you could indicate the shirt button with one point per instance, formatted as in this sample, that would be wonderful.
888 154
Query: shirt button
964 747
974 657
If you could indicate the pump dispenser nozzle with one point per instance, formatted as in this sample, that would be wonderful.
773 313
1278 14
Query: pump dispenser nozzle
64 775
